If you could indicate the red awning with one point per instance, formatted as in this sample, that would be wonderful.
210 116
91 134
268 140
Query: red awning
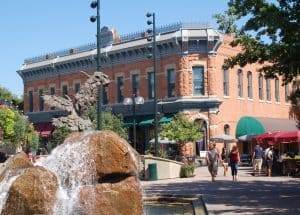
266 137
286 137
45 129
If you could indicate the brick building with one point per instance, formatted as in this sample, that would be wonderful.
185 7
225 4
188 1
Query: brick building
190 80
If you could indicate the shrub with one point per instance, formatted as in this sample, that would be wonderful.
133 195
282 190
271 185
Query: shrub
187 170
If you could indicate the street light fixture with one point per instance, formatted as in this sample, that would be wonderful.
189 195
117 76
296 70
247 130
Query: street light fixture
96 5
134 100
151 36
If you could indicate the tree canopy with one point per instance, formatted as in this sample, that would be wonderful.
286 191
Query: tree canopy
181 130
270 34
5 94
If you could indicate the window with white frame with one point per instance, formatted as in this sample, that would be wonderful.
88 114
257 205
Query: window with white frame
198 80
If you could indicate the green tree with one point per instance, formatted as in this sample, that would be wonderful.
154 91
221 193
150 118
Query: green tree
181 130
7 122
58 137
5 94
227 22
109 122
270 34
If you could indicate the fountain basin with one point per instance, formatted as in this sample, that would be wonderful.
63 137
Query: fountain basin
174 204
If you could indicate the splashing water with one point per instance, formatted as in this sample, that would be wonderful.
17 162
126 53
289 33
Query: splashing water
73 168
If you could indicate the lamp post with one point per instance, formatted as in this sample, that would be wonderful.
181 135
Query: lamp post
151 36
134 100
96 4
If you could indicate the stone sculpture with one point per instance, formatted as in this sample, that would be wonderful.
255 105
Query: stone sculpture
83 100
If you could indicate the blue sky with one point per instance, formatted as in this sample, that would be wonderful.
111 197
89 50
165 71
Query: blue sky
30 28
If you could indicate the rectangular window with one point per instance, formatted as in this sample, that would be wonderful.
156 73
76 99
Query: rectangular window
41 100
286 92
277 90
120 86
268 89
226 82
198 80
240 83
64 90
260 88
171 82
77 87
104 96
250 91
30 101
52 91
151 85
135 84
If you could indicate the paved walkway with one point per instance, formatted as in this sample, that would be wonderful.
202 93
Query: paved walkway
250 195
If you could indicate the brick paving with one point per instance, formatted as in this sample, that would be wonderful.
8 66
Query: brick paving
249 195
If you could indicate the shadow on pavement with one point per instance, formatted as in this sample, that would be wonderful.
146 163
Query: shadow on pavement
245 197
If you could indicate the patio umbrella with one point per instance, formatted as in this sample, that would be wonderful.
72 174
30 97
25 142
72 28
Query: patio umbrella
285 137
266 137
223 138
162 140
247 137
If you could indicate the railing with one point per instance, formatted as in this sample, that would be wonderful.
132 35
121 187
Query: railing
124 38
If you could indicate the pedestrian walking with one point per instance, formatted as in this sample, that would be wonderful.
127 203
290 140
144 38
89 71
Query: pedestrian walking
269 155
212 158
224 157
234 157
257 159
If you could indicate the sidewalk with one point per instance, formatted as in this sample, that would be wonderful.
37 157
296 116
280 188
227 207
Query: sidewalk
250 195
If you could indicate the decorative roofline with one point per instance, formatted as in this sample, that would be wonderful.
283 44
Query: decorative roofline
123 39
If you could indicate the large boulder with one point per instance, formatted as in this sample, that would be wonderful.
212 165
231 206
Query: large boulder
33 192
121 198
15 163
112 155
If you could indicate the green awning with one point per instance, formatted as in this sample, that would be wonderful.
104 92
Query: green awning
249 125
165 119
147 122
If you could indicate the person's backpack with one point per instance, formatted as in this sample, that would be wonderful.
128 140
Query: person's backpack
269 155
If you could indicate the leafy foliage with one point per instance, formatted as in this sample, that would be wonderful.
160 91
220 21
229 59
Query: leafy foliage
270 34
187 170
17 131
295 104
5 94
181 130
58 137
109 122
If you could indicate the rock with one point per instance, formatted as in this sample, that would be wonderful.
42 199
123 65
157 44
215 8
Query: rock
112 154
33 192
119 198
14 163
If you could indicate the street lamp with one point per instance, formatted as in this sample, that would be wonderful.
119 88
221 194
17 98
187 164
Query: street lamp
96 5
134 100
151 36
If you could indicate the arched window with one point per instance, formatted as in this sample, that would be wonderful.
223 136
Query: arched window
249 86
226 129
268 89
277 98
226 82
240 83
260 87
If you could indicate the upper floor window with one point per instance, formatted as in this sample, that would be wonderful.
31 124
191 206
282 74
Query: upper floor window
171 82
249 85
226 129
268 89
52 91
41 100
260 87
77 87
286 92
151 85
198 80
30 100
226 82
135 84
120 86
277 90
104 96
65 90
240 83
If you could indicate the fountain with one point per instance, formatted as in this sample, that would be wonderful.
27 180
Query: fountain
90 173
